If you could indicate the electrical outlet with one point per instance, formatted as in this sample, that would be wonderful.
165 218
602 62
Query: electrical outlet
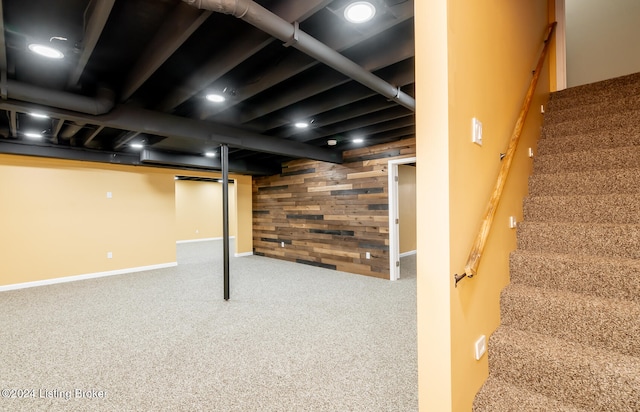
281 244
542 108
480 347
109 255
109 195
367 255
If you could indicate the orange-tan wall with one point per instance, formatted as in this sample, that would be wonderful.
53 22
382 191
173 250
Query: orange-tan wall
199 210
407 207
56 220
473 59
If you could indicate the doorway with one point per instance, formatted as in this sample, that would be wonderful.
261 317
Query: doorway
394 215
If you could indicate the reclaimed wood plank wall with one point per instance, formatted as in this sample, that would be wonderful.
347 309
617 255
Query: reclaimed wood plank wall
329 215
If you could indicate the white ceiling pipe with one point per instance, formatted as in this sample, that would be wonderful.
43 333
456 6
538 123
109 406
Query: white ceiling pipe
279 28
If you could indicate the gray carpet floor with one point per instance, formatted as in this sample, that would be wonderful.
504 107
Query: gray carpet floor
292 338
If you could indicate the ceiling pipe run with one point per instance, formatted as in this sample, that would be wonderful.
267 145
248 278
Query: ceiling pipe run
101 104
135 119
279 28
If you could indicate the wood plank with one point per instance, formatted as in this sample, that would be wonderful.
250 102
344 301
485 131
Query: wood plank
329 188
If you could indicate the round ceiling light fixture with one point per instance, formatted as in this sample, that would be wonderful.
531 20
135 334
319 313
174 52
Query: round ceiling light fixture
33 135
301 125
359 12
210 154
332 142
137 145
46 51
215 98
358 140
39 115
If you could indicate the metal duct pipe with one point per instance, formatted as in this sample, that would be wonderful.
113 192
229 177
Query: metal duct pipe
70 130
101 104
273 25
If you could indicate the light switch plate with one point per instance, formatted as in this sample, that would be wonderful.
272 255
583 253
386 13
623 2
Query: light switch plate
476 131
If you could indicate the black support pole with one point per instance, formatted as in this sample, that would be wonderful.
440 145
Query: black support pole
224 158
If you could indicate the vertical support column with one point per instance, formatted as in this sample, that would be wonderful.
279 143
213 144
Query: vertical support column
224 158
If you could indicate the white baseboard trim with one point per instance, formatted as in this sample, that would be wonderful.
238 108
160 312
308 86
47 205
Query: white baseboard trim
66 279
243 254
409 253
207 239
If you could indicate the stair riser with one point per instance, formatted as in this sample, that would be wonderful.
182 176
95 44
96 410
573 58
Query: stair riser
577 113
618 158
612 325
609 139
603 383
592 277
618 209
621 181
618 241
627 120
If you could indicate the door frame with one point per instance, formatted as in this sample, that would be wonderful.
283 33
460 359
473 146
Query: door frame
561 46
394 232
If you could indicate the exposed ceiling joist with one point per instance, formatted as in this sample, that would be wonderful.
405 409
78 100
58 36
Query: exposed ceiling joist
173 33
95 25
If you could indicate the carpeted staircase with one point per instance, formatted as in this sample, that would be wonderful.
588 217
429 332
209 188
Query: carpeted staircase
570 333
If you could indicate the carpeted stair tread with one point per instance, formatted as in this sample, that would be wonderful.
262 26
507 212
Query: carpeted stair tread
595 92
611 240
580 112
605 139
590 275
593 182
497 395
575 374
598 322
596 159
627 119
610 208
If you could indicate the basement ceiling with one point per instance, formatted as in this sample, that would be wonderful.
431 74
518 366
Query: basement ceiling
133 83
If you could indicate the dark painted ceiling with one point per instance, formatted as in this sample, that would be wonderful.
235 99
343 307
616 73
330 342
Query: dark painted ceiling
138 71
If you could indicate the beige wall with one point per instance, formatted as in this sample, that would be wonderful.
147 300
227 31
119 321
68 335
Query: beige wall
473 59
244 215
56 220
407 207
602 39
199 210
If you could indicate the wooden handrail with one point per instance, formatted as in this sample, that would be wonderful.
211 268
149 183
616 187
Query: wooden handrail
475 255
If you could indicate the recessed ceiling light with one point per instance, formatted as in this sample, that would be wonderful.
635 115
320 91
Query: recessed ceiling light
301 125
358 140
359 12
39 115
216 98
137 145
210 154
332 142
46 51
33 135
